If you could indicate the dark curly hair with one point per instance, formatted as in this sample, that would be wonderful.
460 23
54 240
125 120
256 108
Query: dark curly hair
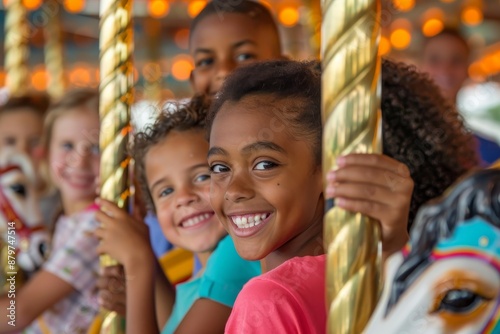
186 116
420 128
423 130
283 79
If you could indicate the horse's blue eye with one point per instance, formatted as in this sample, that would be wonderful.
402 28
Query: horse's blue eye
460 301
19 189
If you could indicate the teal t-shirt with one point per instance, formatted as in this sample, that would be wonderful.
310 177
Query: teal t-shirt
221 281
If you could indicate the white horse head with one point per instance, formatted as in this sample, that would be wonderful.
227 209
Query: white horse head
448 278
21 225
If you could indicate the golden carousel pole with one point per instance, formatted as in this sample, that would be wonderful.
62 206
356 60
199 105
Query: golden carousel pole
351 103
116 97
54 55
16 47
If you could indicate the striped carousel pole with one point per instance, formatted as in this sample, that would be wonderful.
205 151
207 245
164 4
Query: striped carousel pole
116 97
351 104
54 55
16 47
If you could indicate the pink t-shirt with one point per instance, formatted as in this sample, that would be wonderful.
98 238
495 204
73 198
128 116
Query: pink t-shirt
287 299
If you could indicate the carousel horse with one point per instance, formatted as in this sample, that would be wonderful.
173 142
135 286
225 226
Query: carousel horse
24 241
447 280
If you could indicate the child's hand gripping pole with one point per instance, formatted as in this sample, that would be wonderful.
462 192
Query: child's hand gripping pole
116 96
351 102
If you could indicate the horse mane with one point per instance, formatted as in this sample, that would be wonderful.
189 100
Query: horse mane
13 157
477 194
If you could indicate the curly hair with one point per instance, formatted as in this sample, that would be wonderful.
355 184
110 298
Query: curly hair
424 131
420 128
186 116
283 79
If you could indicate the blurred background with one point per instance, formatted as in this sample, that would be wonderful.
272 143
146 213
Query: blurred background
162 64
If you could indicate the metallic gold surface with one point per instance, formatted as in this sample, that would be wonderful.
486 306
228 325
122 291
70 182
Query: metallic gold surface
116 96
16 48
54 54
314 25
351 102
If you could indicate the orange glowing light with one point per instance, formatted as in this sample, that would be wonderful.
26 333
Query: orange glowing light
74 6
80 77
476 71
289 16
32 4
400 38
384 46
182 67
39 79
195 7
158 8
181 38
472 15
2 78
403 5
432 27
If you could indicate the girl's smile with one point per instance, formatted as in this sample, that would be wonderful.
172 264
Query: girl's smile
265 186
246 225
179 183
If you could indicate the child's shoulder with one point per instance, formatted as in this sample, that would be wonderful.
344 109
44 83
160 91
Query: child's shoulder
288 298
293 272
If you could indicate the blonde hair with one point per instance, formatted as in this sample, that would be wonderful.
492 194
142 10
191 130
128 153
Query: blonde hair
85 99
79 98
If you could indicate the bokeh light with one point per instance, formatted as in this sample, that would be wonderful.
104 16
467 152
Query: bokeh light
182 66
288 16
384 46
403 5
400 38
432 27
80 76
39 78
32 4
472 15
158 8
195 7
74 6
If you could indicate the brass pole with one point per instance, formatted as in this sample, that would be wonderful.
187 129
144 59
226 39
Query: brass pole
16 48
54 54
351 103
116 97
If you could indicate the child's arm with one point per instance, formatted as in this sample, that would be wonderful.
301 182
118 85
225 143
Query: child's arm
126 240
40 293
376 186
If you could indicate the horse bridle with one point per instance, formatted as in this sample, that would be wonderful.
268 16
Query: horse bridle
23 231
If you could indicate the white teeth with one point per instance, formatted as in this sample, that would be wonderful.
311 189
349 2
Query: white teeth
195 220
248 221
